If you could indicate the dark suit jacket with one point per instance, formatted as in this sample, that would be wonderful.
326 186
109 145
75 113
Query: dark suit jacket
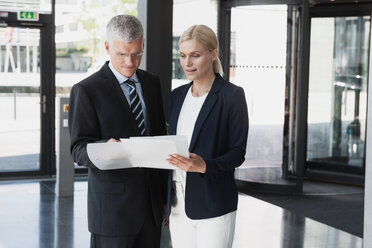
118 200
220 138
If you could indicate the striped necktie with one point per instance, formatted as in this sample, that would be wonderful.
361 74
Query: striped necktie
135 106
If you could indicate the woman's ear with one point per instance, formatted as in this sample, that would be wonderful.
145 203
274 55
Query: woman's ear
215 54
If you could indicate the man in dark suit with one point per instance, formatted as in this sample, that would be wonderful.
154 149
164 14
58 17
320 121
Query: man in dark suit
125 206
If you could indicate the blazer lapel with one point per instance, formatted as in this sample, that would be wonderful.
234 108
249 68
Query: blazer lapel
206 109
176 108
203 114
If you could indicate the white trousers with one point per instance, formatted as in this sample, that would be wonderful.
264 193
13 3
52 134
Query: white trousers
215 232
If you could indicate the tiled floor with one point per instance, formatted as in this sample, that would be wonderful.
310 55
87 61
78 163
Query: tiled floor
32 216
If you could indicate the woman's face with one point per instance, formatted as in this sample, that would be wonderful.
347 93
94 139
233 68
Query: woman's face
196 61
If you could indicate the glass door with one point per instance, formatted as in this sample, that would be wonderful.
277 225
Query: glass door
338 81
263 58
20 100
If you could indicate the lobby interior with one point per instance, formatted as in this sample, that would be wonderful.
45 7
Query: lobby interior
305 69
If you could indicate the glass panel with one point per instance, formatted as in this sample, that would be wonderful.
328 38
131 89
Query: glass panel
41 6
258 64
338 90
185 15
19 99
80 37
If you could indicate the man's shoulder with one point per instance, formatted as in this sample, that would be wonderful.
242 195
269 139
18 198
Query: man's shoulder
96 77
146 75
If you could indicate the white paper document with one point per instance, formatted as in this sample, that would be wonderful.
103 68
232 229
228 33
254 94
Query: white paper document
146 151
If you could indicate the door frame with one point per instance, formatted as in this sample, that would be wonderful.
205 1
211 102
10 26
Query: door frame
46 25
224 30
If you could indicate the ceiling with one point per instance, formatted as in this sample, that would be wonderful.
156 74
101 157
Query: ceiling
313 2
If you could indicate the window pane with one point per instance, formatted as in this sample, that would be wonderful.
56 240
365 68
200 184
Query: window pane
41 6
258 64
19 99
338 90
186 14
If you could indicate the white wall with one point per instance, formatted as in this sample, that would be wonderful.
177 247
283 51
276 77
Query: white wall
367 238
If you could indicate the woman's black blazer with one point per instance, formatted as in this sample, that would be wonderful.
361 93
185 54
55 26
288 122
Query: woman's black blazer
220 138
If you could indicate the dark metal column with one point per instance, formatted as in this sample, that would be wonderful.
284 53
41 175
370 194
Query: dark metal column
159 43
302 95
48 70
224 31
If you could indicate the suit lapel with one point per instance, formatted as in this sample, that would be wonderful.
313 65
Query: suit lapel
146 92
116 91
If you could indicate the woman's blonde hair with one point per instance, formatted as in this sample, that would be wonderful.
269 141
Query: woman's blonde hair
207 38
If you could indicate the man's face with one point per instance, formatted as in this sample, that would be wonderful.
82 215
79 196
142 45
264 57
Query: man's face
125 57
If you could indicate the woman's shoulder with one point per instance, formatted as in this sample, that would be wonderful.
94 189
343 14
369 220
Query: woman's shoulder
181 89
227 88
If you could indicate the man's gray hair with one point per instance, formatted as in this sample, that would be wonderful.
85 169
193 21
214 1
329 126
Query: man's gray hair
126 28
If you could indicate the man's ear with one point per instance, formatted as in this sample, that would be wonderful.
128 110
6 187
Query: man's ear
107 46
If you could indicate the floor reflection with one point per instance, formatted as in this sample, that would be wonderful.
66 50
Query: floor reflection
260 224
64 222
33 217
268 175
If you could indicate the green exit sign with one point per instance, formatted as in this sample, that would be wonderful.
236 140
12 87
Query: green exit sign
28 16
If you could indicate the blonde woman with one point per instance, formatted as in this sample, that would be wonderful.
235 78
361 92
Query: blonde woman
212 114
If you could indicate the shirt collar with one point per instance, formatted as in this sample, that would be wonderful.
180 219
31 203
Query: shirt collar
122 78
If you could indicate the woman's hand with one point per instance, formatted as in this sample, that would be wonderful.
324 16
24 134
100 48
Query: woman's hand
112 140
193 164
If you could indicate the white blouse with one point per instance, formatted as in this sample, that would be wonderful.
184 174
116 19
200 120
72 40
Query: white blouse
186 122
